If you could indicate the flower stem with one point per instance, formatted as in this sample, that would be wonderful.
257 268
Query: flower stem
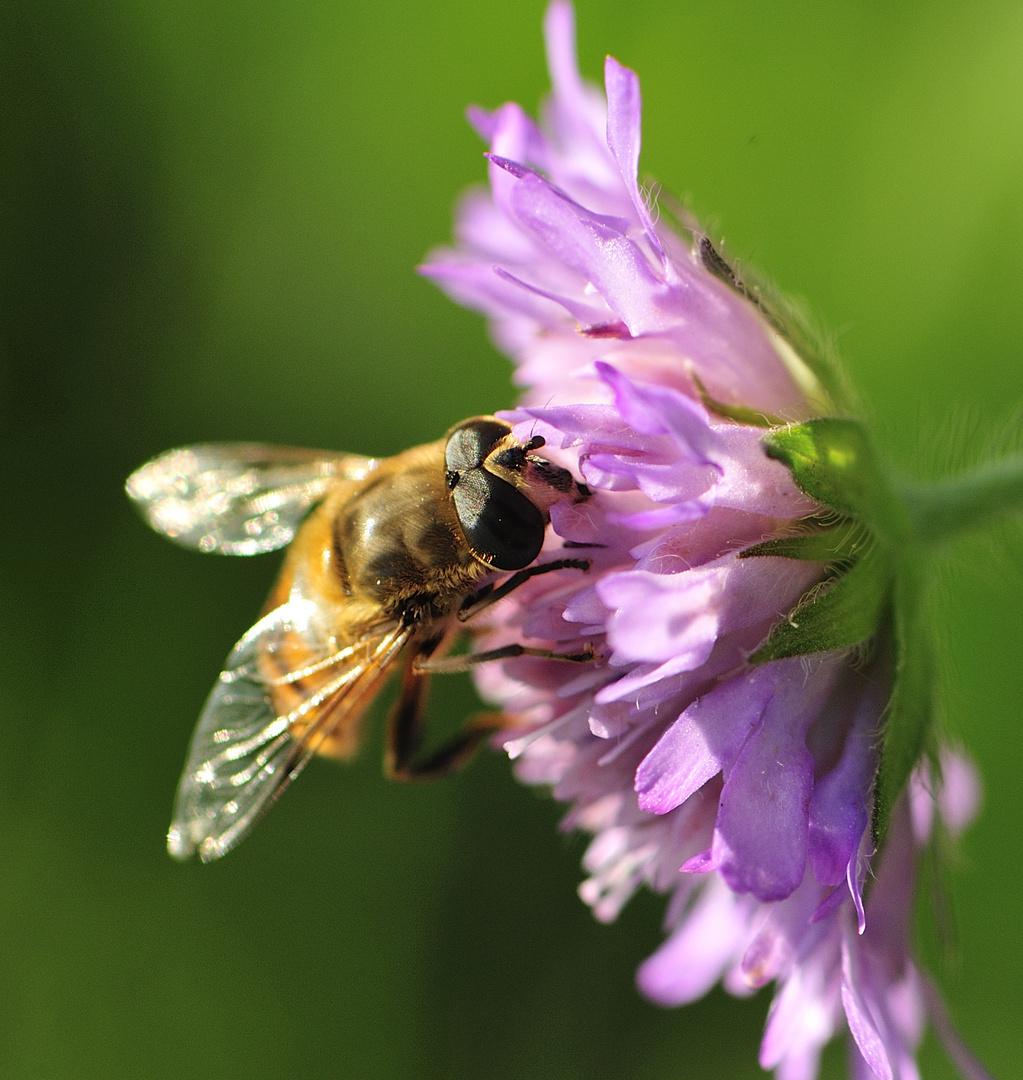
965 503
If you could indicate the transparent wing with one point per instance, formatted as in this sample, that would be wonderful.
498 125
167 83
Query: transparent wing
265 718
237 498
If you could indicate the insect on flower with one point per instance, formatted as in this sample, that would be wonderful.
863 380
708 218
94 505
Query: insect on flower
387 568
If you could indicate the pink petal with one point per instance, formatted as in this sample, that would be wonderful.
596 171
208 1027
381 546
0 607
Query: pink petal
658 617
583 313
762 828
802 1018
838 808
594 246
624 112
576 112
660 410
752 481
959 792
862 1023
688 964
705 739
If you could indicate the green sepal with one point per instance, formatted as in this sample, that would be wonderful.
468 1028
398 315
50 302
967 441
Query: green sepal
842 613
740 413
838 544
832 461
877 586
908 721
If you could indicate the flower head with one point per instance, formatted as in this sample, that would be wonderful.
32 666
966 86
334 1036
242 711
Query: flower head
564 256
743 547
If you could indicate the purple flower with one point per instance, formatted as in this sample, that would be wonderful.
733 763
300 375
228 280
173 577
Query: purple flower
725 746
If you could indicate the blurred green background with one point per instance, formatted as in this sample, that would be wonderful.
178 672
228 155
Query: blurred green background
211 214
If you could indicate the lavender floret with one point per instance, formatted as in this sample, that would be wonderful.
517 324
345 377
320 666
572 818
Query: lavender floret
742 787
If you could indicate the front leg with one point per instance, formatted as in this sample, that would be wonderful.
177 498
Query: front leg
488 595
455 665
405 727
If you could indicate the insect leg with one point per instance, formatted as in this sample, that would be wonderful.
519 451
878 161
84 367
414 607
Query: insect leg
488 595
450 665
404 725
404 730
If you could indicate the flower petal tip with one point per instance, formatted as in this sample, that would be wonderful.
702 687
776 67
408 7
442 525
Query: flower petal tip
703 863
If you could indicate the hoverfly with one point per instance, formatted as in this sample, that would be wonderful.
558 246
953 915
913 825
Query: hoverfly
386 568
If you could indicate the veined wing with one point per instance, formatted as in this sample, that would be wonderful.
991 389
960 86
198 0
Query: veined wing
264 720
237 498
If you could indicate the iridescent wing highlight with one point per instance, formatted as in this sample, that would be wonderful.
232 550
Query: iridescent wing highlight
248 746
237 498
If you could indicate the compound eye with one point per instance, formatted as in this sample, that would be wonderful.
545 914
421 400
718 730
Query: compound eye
470 443
500 523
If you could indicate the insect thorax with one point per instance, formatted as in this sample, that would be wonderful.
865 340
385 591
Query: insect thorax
401 543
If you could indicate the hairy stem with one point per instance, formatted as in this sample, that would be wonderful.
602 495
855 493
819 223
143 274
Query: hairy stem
965 503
